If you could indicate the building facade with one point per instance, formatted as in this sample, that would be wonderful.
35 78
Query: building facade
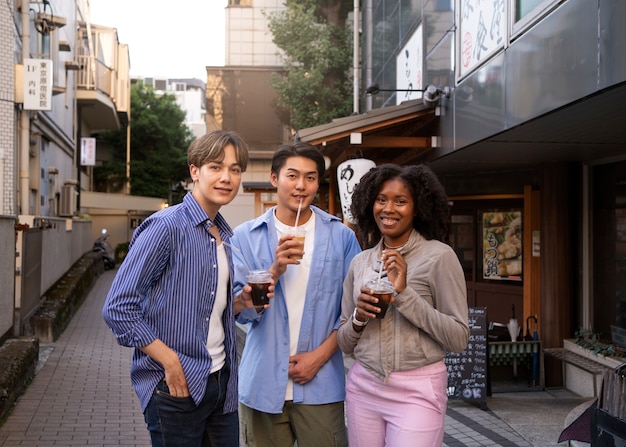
240 97
190 96
64 80
523 123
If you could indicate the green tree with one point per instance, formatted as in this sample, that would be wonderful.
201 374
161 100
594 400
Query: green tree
158 148
316 86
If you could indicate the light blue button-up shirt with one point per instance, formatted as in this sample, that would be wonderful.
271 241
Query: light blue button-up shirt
165 289
263 372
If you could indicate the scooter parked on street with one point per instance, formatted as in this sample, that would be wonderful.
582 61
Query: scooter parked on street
102 246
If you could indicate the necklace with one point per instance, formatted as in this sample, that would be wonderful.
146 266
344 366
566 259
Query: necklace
399 247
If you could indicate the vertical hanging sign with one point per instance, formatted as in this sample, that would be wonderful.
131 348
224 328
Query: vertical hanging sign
349 174
409 68
38 84
88 151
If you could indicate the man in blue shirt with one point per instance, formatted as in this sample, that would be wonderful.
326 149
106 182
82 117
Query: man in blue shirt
171 300
291 373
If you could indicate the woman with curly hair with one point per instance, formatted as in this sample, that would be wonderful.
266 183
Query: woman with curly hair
396 388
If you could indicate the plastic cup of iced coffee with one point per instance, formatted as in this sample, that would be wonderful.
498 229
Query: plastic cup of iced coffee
260 281
299 235
383 290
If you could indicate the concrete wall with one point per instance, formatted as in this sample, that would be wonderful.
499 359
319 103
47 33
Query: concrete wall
62 245
7 271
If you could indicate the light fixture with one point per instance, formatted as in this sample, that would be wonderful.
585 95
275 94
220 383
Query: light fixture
432 94
375 88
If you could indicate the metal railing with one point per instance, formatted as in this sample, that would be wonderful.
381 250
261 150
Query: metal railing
95 75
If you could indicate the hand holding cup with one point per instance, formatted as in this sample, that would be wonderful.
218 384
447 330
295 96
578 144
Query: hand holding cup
260 282
376 296
298 235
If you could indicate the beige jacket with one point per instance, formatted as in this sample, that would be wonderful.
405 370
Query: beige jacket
426 319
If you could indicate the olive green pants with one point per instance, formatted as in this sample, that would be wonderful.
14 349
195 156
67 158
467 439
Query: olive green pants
310 425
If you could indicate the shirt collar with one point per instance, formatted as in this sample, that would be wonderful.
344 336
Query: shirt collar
199 216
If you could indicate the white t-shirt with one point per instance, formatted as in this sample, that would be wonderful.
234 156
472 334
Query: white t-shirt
215 341
295 281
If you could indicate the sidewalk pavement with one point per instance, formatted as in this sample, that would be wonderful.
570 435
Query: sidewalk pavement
82 396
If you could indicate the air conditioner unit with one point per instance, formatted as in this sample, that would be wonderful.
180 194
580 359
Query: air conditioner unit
67 205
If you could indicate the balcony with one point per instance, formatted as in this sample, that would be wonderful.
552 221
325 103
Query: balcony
102 79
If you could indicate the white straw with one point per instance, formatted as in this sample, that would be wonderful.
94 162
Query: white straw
236 251
298 213
380 271
231 246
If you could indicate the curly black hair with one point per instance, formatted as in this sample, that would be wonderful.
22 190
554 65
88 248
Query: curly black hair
429 198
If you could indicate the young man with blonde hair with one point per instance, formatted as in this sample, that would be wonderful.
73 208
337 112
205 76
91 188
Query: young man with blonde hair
172 301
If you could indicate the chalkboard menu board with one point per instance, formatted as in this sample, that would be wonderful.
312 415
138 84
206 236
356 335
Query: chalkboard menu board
467 371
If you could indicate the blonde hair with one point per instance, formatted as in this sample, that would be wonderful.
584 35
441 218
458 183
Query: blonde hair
211 146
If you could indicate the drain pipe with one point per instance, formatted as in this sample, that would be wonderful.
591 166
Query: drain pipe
24 186
25 120
368 51
355 59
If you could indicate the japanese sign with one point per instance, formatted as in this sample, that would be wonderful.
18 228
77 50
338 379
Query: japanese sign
38 77
482 31
349 175
502 245
88 151
409 68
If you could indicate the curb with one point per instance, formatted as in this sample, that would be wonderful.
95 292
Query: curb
62 300
19 356
18 360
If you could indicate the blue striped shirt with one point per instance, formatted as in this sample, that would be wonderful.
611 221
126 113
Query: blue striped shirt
165 289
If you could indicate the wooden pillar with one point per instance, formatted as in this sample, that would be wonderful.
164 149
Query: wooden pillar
558 252
332 191
257 204
532 257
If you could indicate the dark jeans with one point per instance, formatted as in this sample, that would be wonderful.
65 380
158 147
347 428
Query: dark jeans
177 421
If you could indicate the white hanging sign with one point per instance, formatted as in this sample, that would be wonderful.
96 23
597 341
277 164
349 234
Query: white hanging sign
38 77
349 175
409 68
88 151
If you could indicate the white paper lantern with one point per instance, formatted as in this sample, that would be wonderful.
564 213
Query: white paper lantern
349 174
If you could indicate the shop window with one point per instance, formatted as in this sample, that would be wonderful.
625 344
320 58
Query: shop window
528 12
488 242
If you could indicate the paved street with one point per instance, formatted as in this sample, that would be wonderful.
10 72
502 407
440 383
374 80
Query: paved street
82 396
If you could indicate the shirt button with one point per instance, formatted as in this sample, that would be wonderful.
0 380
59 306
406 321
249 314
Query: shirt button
206 319
214 266
212 293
